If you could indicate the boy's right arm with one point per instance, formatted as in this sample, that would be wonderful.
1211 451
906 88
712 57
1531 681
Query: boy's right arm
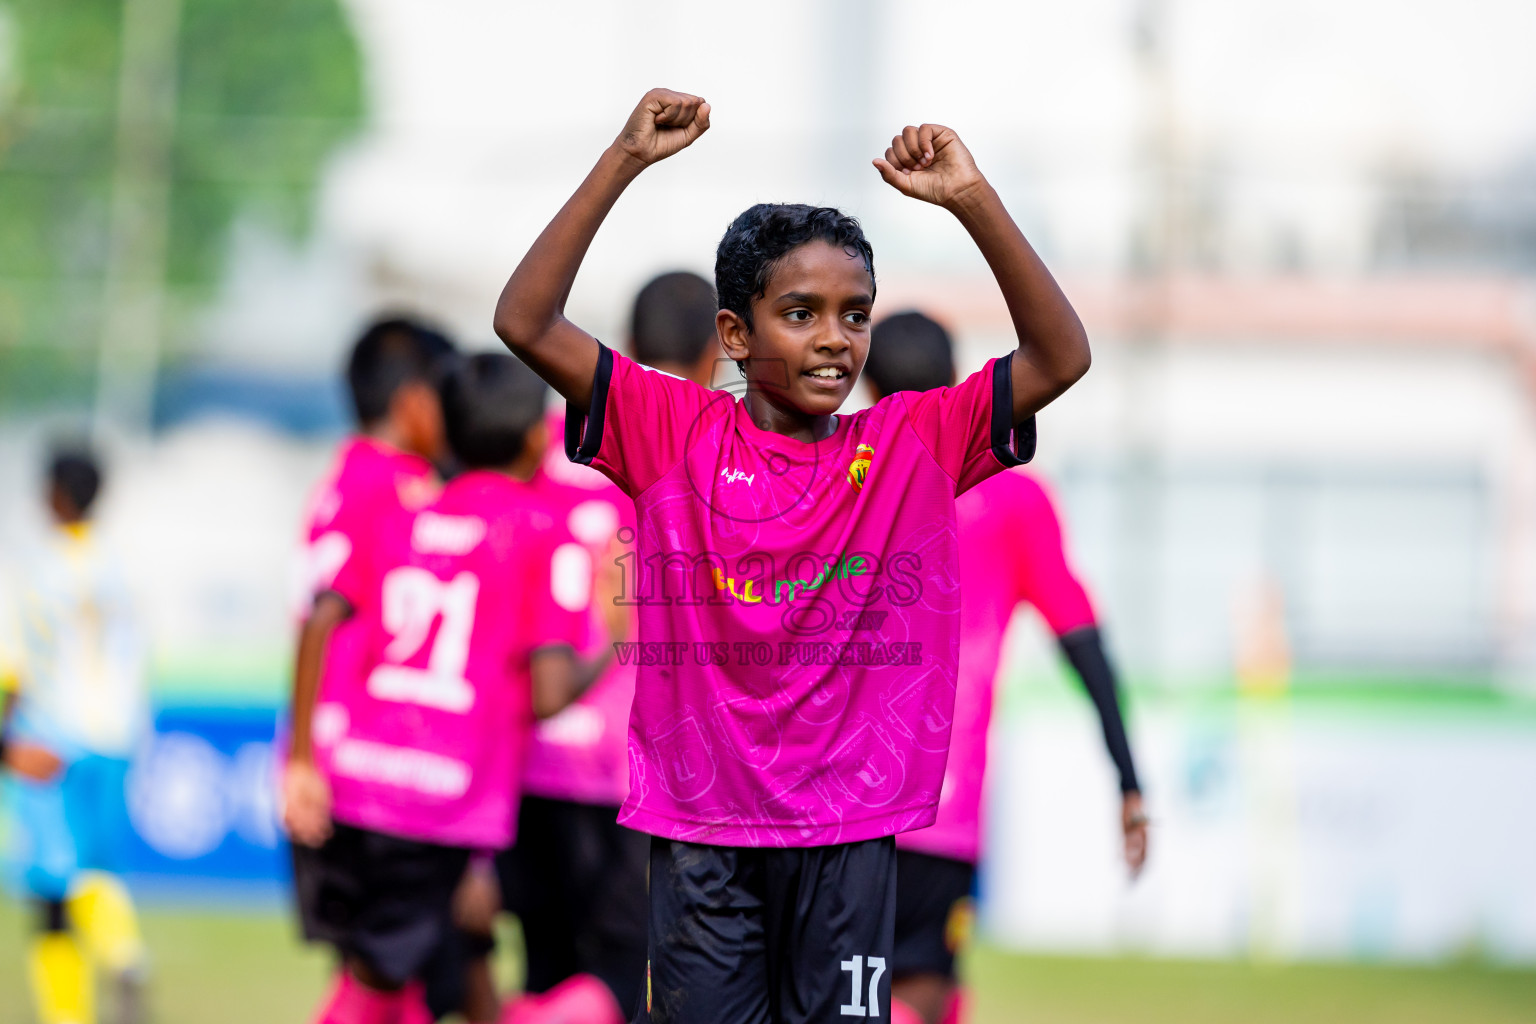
306 794
530 315
29 760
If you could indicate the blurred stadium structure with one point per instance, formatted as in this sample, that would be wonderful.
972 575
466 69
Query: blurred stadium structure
1302 473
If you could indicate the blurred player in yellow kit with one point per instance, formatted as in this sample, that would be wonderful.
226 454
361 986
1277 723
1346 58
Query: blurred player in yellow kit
71 667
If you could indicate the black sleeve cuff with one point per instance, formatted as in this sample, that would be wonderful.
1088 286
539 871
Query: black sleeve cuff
584 430
1012 444
1084 648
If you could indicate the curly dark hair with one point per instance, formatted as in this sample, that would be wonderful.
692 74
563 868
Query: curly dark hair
390 354
674 319
759 239
909 352
490 402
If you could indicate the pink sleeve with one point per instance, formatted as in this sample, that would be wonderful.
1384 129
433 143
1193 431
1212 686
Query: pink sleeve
365 499
969 429
1045 579
355 579
380 534
335 549
640 423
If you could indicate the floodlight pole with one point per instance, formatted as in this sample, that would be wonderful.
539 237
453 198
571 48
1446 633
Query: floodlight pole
1155 254
132 315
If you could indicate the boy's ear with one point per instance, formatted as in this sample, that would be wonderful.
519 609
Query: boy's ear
733 332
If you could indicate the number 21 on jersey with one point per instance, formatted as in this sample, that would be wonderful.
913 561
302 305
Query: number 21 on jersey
413 600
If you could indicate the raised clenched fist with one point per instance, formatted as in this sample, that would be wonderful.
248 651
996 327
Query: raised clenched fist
663 123
929 162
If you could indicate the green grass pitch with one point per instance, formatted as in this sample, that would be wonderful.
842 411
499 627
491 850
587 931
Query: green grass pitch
249 968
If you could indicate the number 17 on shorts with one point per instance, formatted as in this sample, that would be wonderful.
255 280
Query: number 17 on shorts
859 968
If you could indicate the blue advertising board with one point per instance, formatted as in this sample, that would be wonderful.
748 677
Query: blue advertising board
202 799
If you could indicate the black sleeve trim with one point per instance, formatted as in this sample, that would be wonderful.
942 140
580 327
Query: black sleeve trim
1012 445
1084 648
584 433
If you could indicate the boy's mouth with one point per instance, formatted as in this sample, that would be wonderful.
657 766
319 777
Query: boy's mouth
827 375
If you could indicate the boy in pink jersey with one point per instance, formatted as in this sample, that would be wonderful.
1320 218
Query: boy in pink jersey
378 473
1011 552
795 577
577 879
471 609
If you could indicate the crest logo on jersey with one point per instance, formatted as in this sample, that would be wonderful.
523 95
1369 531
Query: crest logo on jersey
858 469
960 924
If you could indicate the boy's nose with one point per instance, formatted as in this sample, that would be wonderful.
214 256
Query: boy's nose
833 341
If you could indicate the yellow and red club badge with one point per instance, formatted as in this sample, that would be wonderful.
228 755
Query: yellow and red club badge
858 469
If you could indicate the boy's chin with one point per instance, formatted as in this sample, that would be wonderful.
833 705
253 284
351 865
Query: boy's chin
819 403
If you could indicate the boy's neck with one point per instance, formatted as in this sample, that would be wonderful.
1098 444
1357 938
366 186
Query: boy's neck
386 433
782 418
521 469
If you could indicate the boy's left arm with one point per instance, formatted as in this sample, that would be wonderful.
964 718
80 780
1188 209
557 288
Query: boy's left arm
929 162
1084 650
1046 580
306 794
560 676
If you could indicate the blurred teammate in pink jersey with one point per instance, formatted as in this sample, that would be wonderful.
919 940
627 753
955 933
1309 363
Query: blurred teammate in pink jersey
471 609
378 473
1011 553
795 573
576 878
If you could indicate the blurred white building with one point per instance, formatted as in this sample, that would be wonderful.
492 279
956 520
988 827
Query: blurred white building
1312 367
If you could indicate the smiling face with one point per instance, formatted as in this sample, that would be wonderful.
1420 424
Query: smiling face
810 330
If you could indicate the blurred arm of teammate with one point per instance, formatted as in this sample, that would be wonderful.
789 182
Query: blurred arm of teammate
1084 648
1046 580
929 162
559 676
306 793
29 760
530 315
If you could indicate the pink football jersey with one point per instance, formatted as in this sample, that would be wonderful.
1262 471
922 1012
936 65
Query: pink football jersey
368 485
580 754
798 601
453 602
1011 551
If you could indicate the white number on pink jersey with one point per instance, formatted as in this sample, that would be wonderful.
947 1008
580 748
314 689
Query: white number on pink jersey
855 968
413 600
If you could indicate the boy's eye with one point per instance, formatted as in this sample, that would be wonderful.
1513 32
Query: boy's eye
857 317
799 315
